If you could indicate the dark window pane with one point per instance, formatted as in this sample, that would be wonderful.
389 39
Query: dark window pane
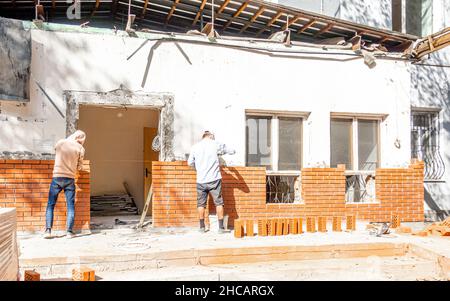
341 142
290 144
368 144
258 141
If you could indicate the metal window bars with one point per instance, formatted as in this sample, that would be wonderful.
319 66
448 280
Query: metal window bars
425 144
283 189
360 187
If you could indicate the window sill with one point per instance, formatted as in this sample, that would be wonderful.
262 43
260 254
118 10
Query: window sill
295 203
434 181
363 203
283 173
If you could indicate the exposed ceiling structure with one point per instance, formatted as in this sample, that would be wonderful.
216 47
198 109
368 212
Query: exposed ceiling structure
250 18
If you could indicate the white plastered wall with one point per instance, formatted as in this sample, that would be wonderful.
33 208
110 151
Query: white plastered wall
212 88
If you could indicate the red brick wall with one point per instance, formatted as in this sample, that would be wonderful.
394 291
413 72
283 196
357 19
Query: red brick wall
24 184
323 193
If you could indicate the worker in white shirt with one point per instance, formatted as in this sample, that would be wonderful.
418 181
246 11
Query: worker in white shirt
204 158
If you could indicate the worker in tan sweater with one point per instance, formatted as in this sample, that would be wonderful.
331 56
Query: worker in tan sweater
68 160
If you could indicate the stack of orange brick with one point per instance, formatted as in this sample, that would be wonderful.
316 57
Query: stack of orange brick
285 226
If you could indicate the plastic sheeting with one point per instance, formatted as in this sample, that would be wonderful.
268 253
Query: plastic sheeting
9 255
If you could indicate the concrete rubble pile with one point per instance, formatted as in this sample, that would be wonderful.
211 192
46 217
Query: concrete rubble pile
9 254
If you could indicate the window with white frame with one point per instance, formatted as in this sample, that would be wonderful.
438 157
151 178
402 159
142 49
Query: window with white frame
425 142
274 140
355 143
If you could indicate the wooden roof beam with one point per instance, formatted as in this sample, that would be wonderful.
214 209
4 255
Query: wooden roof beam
306 26
199 13
291 21
236 14
222 7
97 4
273 20
144 9
172 10
253 19
323 30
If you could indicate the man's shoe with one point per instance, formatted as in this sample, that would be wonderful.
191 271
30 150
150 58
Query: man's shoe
223 230
48 234
70 234
202 230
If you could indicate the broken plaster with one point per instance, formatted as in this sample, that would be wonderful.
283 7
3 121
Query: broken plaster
164 102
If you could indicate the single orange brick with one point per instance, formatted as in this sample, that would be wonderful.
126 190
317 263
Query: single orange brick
32 276
279 227
262 227
293 228
249 228
395 221
238 229
285 222
337 224
351 223
311 224
83 274
322 224
299 225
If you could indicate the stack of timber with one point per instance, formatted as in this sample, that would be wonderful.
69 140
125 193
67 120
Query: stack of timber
9 253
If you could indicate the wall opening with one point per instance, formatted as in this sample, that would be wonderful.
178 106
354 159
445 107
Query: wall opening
119 147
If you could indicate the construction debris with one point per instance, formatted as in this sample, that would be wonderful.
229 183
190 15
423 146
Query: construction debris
431 43
107 205
438 229
83 274
32 275
378 229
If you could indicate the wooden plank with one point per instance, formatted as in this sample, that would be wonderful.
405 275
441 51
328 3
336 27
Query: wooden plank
223 6
291 21
306 26
97 4
144 8
273 20
323 30
146 206
254 17
199 13
236 14
172 10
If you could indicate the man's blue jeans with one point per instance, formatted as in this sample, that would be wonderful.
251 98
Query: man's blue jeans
58 184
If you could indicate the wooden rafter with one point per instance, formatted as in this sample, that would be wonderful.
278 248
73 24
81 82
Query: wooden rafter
97 4
432 43
323 30
144 9
236 14
273 20
253 19
223 6
52 13
306 26
291 21
172 10
383 39
199 13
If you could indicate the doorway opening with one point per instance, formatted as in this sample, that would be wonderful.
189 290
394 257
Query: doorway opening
119 146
